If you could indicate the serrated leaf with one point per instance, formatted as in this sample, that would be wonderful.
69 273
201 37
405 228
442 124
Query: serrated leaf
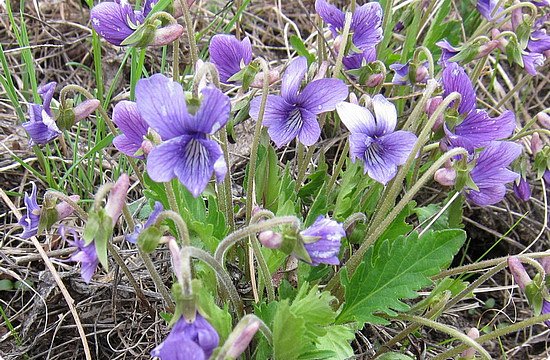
288 334
315 307
338 339
396 269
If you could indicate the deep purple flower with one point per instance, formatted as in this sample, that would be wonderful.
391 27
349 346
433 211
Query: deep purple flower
539 41
546 177
477 129
294 114
522 189
374 140
541 3
186 152
31 219
86 255
158 208
365 29
402 77
127 117
546 310
322 241
188 341
447 51
228 54
41 125
487 7
490 173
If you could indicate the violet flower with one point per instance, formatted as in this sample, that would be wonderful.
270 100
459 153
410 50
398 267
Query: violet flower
487 7
374 140
447 51
186 152
539 41
531 61
477 129
402 77
522 189
365 29
546 310
322 241
134 128
41 125
196 340
490 173
229 54
294 114
158 208
31 219
86 255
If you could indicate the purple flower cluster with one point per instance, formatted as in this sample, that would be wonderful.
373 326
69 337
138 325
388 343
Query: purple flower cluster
185 152
365 30
294 113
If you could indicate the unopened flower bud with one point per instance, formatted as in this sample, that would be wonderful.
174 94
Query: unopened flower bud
545 262
487 48
322 71
64 209
147 146
470 353
353 99
518 271
337 43
258 81
374 80
85 109
167 34
536 143
422 74
431 106
240 337
445 176
270 239
522 190
117 197
544 119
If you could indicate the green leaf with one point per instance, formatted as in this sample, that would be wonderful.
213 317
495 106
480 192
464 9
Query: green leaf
220 319
338 339
99 229
315 308
394 356
513 51
301 49
289 341
393 270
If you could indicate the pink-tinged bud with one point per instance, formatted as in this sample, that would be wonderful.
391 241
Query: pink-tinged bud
536 143
177 261
337 43
240 338
487 48
178 8
518 271
256 209
258 81
517 17
422 74
322 71
470 353
64 209
545 262
431 106
546 54
147 146
85 109
445 176
544 119
374 80
167 34
270 239
353 99
117 197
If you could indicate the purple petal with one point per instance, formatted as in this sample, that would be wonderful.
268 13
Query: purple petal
41 128
148 6
401 76
480 129
276 109
531 61
397 147
366 25
545 304
539 42
46 92
356 118
322 95
284 130
486 8
522 190
164 158
331 15
227 53
127 117
455 80
310 131
178 349
447 51
213 112
292 78
110 20
385 113
356 61
31 219
161 103
376 166
326 249
487 195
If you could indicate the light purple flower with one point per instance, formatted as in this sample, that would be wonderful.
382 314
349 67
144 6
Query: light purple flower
158 208
522 189
31 219
365 29
117 20
188 341
41 125
487 7
477 129
294 114
447 51
374 140
229 54
490 173
134 128
186 152
402 77
86 255
322 241
531 61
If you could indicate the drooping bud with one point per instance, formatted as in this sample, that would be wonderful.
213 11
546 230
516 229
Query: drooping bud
147 146
66 115
431 106
85 109
258 81
270 239
445 176
166 35
64 209
487 48
117 197
177 261
422 73
374 80
544 119
518 271
470 353
536 143
240 338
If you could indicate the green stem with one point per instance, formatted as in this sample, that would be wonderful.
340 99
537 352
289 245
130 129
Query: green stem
345 35
176 60
190 32
171 196
157 280
56 194
448 330
339 166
